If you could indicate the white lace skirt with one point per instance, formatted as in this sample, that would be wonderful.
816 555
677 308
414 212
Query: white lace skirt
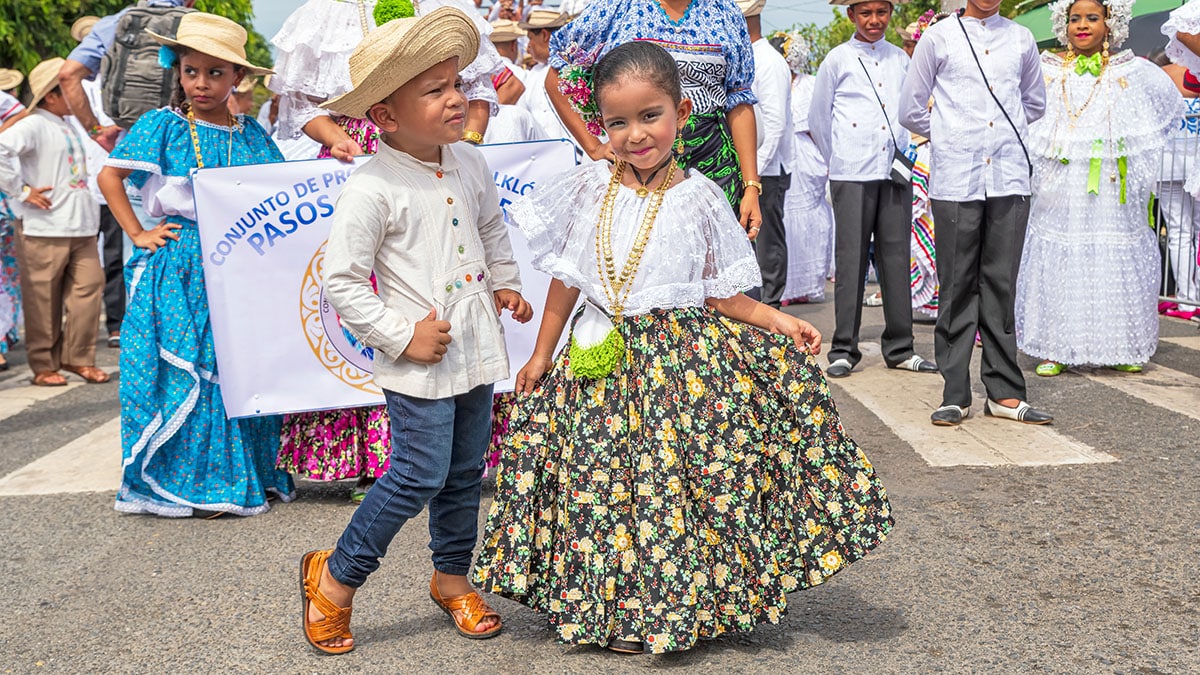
1088 284
808 224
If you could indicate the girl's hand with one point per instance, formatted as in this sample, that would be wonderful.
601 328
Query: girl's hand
345 150
805 335
602 152
527 377
152 240
751 214
511 300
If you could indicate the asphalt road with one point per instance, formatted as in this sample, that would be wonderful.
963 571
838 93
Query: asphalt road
1076 568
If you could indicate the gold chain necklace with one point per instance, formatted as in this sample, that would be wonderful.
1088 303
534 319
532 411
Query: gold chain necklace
1075 115
191 118
618 286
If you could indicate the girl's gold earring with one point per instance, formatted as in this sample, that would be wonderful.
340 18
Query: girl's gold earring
679 146
1070 51
1104 54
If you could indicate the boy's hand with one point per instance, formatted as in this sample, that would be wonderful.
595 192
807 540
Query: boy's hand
429 340
806 337
37 198
345 151
511 300
527 377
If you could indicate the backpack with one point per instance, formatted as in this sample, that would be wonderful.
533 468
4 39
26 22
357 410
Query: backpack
133 81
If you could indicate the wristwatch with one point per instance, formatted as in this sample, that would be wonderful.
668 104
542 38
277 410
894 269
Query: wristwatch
747 184
472 137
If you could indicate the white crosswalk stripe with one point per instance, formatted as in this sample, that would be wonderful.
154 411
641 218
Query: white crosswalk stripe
90 463
18 395
903 401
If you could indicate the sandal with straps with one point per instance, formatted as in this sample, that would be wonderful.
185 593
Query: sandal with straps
336 623
473 610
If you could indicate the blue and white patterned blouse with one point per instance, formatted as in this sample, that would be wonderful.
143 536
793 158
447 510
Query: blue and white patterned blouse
160 153
710 44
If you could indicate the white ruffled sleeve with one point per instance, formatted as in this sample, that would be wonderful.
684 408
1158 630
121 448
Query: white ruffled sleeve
730 265
1185 19
558 219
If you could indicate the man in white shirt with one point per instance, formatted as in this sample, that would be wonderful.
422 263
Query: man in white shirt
854 121
983 73
44 167
773 88
540 26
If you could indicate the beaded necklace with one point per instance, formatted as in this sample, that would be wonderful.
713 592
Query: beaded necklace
1075 115
618 285
191 118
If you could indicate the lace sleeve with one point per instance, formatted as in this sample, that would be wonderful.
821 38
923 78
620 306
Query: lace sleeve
729 263
295 111
1185 19
559 219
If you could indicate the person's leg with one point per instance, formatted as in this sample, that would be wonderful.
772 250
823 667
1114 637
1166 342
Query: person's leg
82 289
41 261
422 436
771 245
454 511
114 271
957 248
1179 213
854 207
1005 222
893 231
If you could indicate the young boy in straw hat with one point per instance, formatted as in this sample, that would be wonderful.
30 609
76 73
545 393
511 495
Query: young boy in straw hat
44 168
424 216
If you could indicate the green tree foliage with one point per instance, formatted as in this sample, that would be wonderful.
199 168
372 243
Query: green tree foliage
34 30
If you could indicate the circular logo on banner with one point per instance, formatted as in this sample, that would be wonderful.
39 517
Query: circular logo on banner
338 351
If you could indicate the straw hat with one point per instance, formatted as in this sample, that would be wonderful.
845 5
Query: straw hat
82 27
214 35
10 79
401 49
246 85
545 18
751 7
908 31
43 79
504 30
850 3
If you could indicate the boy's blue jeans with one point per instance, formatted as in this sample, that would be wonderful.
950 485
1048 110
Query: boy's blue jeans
437 459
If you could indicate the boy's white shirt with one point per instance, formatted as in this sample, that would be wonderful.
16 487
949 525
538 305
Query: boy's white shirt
844 117
34 153
976 153
395 218
773 112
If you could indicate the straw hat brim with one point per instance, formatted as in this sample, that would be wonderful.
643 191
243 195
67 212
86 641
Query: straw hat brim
400 50
215 49
10 79
43 79
82 27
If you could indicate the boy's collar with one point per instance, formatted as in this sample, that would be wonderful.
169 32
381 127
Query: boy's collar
449 159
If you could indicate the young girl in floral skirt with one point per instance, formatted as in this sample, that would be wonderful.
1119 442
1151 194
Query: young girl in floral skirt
680 467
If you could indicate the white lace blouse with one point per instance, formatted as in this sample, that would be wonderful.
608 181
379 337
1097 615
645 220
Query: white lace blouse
697 249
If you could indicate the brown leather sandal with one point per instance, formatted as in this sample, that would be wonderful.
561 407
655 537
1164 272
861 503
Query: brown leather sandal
472 611
336 623
90 373
49 378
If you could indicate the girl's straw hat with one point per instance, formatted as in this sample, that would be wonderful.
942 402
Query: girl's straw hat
43 79
402 49
10 79
214 35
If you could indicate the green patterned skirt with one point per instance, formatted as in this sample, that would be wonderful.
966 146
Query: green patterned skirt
682 497
708 148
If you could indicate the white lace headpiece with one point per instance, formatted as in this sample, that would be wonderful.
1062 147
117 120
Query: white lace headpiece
1119 14
795 49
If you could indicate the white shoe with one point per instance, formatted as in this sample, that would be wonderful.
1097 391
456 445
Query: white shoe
1022 412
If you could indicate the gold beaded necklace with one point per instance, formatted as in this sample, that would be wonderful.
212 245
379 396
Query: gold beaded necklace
617 286
1076 115
191 118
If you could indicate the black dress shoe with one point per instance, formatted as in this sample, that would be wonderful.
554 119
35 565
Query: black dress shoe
839 368
1022 412
949 416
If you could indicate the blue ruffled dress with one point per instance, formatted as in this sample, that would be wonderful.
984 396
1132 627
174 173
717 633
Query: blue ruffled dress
180 452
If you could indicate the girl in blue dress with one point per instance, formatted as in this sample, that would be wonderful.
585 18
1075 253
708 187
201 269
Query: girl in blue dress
181 455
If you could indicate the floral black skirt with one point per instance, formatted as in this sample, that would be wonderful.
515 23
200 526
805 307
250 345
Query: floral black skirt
682 497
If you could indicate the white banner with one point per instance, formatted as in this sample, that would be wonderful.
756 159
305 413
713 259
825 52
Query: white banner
280 346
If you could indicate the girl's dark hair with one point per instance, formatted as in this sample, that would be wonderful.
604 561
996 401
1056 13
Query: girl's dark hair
640 59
